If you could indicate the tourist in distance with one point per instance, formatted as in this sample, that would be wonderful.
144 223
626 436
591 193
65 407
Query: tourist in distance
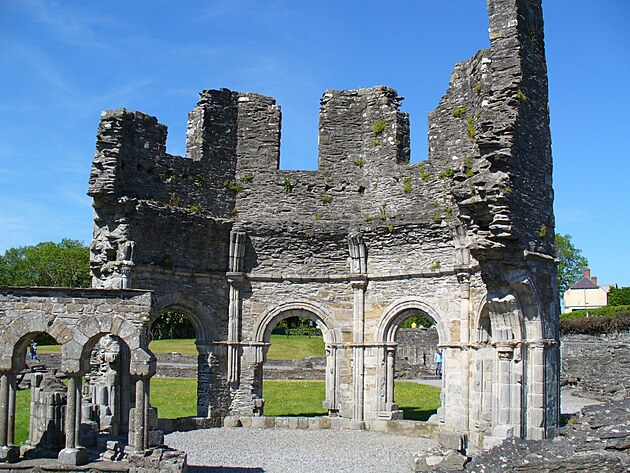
33 350
438 363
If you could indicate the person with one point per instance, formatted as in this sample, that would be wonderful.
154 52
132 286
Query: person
438 363
33 350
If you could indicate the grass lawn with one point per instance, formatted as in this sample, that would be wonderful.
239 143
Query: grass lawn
295 347
177 397
418 401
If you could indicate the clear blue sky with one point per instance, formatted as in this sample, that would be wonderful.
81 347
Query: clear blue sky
63 62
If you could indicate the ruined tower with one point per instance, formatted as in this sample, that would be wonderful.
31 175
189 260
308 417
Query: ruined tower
465 238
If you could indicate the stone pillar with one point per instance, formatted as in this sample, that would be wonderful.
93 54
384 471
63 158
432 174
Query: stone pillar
73 454
235 280
391 370
332 380
464 317
140 431
358 352
8 450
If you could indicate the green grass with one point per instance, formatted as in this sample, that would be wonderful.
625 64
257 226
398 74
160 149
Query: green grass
177 397
22 415
418 401
174 397
294 398
184 346
295 347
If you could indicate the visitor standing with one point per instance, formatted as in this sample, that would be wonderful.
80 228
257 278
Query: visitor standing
438 363
33 350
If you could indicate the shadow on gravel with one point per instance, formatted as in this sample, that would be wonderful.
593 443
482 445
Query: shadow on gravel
224 469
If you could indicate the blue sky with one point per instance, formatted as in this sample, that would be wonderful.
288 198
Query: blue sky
65 62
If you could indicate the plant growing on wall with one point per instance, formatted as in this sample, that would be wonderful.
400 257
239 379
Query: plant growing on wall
288 186
470 128
407 185
459 111
379 127
424 175
326 199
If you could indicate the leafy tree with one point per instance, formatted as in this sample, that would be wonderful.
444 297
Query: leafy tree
48 264
619 296
572 262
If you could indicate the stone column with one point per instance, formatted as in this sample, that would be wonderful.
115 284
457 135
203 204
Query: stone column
235 280
140 431
8 451
391 369
464 317
358 352
73 454
331 380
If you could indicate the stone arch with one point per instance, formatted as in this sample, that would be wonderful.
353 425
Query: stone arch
394 315
385 338
326 322
200 316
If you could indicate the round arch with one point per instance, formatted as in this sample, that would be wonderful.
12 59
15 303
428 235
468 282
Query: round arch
202 319
324 320
394 314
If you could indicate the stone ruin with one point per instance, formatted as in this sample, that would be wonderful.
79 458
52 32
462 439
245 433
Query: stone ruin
225 237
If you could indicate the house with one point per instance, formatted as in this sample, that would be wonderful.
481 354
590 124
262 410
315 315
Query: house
585 294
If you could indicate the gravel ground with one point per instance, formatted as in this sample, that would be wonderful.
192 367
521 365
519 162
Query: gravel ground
244 450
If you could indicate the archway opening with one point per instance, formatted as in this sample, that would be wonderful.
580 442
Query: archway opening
294 371
174 388
417 365
34 387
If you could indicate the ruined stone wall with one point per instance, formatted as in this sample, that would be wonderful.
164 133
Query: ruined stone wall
465 237
597 367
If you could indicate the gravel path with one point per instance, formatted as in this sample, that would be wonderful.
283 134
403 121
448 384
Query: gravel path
244 450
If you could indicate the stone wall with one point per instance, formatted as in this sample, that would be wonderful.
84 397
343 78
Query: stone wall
358 245
597 367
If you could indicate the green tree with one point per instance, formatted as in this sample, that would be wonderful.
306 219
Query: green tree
572 262
48 264
619 296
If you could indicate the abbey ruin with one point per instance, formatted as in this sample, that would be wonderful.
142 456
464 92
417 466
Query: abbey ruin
225 237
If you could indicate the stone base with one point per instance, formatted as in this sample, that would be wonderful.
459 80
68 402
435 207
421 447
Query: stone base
73 456
438 459
9 453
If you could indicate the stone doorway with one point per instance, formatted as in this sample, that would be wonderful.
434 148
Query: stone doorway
263 333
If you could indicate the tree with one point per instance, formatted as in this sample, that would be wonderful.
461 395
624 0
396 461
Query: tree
619 296
48 264
572 262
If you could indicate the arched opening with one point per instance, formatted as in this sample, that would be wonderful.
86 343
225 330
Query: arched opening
411 364
179 377
297 375
32 387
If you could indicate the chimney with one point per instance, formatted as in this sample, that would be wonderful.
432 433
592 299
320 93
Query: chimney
594 279
587 273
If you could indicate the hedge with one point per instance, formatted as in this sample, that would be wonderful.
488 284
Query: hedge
607 311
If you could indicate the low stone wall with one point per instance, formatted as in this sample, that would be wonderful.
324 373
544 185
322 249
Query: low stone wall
414 355
597 367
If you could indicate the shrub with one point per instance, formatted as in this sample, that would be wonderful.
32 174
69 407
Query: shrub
619 296
595 325
607 311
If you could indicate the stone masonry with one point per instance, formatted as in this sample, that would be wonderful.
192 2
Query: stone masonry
222 235
359 245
